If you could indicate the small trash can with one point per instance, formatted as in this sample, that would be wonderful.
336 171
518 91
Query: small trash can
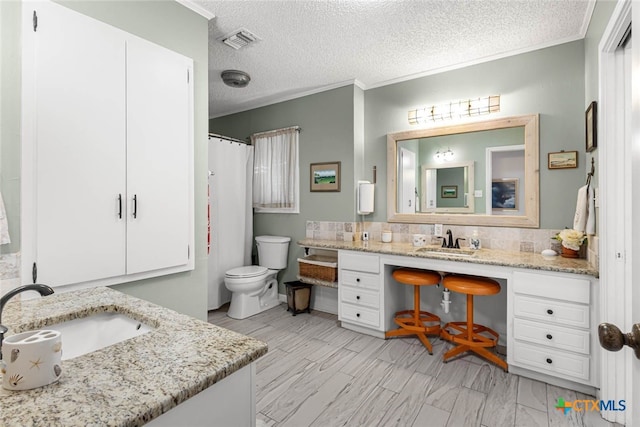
298 297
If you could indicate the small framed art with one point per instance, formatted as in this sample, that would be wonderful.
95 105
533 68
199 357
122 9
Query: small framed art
449 191
325 176
563 160
591 128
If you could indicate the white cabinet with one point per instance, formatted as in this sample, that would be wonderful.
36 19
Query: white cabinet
553 320
360 292
107 152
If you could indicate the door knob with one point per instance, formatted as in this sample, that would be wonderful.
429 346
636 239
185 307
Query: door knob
612 339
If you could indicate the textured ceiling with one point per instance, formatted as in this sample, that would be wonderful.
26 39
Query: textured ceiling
310 46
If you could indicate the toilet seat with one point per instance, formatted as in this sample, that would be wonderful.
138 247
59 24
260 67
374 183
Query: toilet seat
246 272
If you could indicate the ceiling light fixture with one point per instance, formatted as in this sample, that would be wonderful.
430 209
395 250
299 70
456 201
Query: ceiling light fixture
235 78
455 109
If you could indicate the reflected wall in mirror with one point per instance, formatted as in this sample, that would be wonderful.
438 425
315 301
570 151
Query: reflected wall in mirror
445 187
483 152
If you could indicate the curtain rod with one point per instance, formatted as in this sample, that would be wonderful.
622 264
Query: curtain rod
297 128
228 138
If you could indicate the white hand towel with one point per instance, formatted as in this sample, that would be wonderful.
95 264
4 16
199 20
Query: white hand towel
591 217
4 224
582 210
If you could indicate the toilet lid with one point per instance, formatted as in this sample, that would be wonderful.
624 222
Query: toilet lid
248 271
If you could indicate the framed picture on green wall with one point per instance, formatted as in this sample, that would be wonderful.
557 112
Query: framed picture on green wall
325 176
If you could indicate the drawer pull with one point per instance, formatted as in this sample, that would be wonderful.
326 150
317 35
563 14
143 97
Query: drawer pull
357 297
357 314
549 336
358 279
549 311
549 361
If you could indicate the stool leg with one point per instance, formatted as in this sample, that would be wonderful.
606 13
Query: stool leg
416 305
470 317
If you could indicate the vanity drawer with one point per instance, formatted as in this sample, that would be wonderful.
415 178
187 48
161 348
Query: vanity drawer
546 285
364 316
551 335
546 360
359 279
359 262
360 297
558 312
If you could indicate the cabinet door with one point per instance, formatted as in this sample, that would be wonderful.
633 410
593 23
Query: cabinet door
158 157
79 147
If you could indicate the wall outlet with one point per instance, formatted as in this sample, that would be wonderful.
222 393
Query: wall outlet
365 236
477 193
437 230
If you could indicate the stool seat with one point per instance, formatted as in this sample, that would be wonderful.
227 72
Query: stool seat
412 276
415 321
471 336
471 285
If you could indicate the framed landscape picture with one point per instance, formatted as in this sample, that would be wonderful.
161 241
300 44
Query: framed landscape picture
449 191
563 160
325 176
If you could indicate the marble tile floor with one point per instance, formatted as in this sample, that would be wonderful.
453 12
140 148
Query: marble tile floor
319 374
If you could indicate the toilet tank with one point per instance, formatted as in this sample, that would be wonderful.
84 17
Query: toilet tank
272 251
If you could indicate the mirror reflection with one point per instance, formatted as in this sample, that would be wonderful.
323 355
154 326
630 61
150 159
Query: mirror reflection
482 173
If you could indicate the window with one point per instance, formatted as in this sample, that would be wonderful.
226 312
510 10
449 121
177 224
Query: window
276 187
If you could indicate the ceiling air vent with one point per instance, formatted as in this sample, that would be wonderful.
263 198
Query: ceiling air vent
239 38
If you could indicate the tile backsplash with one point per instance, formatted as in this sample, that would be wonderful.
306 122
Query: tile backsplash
504 238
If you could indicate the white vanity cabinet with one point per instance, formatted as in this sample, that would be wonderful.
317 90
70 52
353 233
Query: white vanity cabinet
553 316
360 299
107 160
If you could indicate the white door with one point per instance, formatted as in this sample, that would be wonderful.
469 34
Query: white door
75 138
408 173
159 86
619 157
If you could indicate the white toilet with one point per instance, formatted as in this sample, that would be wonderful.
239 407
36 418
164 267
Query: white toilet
255 288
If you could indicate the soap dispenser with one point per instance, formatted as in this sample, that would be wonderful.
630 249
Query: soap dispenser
474 241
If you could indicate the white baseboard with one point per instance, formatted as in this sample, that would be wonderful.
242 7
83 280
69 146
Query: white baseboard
322 299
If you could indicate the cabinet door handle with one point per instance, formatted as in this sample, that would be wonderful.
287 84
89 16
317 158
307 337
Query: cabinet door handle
358 297
358 279
119 206
357 314
549 311
549 336
135 206
549 361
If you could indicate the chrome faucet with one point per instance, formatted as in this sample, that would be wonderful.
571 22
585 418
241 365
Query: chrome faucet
43 290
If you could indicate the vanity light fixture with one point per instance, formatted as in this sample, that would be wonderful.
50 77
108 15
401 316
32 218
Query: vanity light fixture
455 109
443 157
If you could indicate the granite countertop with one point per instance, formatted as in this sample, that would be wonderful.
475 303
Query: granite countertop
128 383
482 256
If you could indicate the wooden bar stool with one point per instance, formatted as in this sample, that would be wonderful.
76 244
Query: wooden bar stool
416 322
469 336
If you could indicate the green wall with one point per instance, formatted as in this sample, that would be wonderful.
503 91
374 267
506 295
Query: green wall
177 28
599 19
328 134
549 82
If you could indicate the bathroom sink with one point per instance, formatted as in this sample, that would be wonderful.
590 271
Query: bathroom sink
438 250
88 334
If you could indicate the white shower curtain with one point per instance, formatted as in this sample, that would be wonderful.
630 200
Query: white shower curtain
230 195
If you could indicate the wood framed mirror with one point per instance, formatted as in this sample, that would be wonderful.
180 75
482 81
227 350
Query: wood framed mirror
410 154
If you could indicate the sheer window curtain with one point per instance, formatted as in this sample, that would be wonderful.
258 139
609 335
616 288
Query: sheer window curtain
276 171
